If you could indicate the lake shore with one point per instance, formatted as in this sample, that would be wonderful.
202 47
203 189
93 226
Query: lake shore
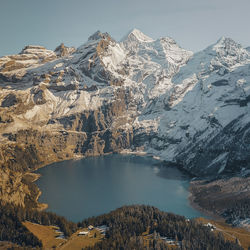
223 199
207 213
107 174
194 201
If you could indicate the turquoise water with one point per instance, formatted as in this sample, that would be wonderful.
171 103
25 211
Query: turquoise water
78 189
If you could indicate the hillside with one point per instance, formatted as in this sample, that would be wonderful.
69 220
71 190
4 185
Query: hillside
140 94
129 227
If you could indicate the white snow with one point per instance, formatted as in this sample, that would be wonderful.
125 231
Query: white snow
177 96
137 34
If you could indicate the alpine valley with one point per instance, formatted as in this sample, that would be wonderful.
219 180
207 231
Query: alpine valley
139 95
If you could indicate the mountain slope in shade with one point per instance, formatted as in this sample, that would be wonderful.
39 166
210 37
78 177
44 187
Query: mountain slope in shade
136 94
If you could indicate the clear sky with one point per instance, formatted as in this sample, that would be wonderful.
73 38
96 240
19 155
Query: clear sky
194 24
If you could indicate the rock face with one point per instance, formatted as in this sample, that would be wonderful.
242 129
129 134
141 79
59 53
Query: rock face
62 50
227 197
9 100
138 94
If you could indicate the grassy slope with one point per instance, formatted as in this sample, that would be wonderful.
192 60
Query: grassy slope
47 235
230 233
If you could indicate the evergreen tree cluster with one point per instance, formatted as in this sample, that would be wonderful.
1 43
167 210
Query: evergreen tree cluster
127 224
12 229
239 211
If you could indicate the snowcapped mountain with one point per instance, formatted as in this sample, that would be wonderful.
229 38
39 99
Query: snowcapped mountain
206 115
191 109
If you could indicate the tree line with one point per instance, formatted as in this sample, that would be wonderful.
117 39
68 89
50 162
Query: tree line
239 211
127 224
12 229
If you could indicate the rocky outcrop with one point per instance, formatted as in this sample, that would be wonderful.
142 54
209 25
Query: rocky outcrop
13 68
225 152
90 133
228 197
9 100
191 110
62 50
28 149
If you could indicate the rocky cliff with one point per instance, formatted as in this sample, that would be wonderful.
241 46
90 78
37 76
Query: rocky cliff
190 109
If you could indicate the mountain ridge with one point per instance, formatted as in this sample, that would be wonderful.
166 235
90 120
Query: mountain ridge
158 74
189 109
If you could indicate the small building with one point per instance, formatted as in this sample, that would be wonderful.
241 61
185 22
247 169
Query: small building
61 236
102 229
211 226
90 227
82 233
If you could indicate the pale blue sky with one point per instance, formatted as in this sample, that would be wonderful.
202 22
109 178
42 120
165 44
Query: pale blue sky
194 24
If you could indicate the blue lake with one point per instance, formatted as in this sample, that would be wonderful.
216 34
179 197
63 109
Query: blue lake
78 189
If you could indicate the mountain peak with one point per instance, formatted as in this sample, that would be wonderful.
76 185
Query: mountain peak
136 34
226 43
31 48
63 50
99 35
227 47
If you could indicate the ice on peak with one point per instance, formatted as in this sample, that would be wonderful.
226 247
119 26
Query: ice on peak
226 43
221 40
227 52
138 35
